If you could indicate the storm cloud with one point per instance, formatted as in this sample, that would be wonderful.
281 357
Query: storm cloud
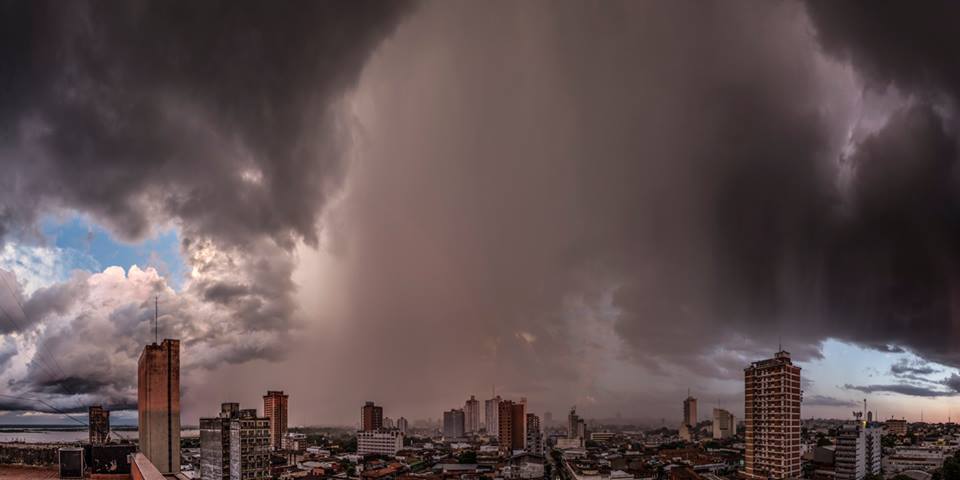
218 120
567 201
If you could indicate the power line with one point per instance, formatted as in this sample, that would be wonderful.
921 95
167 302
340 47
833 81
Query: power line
27 319
48 369
39 354
51 407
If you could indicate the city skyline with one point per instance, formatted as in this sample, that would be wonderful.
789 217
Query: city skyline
419 203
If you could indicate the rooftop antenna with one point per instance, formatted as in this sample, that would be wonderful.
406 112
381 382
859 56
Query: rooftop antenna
780 343
156 316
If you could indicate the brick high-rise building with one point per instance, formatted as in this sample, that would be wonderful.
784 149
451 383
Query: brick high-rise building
235 445
471 412
772 418
99 423
158 404
275 408
371 417
512 425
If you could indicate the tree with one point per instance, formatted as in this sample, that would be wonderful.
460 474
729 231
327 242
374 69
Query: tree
951 467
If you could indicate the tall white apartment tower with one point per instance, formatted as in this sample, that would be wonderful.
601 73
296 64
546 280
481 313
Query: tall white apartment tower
471 412
491 417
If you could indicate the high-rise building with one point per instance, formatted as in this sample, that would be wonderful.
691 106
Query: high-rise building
275 408
402 425
491 417
724 424
388 423
512 417
547 419
235 445
576 426
99 423
772 399
849 454
380 442
873 449
453 424
371 417
158 404
471 412
534 435
690 411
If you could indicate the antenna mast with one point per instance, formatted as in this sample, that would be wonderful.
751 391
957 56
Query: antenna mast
156 316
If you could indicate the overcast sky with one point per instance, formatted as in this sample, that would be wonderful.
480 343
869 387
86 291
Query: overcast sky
598 204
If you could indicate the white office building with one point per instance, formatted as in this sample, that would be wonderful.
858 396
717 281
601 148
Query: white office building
382 442
724 424
849 459
858 452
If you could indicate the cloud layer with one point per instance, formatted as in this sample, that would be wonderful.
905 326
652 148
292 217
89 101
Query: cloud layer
219 120
555 198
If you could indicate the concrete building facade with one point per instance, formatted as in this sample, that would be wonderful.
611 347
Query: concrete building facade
534 435
453 424
690 411
471 412
491 419
383 442
402 425
772 400
158 404
275 408
873 450
98 422
896 427
849 454
235 445
724 424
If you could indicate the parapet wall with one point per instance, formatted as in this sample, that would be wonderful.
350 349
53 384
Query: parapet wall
142 469
41 455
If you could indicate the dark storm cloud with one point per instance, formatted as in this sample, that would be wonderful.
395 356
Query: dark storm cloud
892 266
588 176
215 115
217 118
827 401
901 388
953 382
910 46
600 161
894 269
917 367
